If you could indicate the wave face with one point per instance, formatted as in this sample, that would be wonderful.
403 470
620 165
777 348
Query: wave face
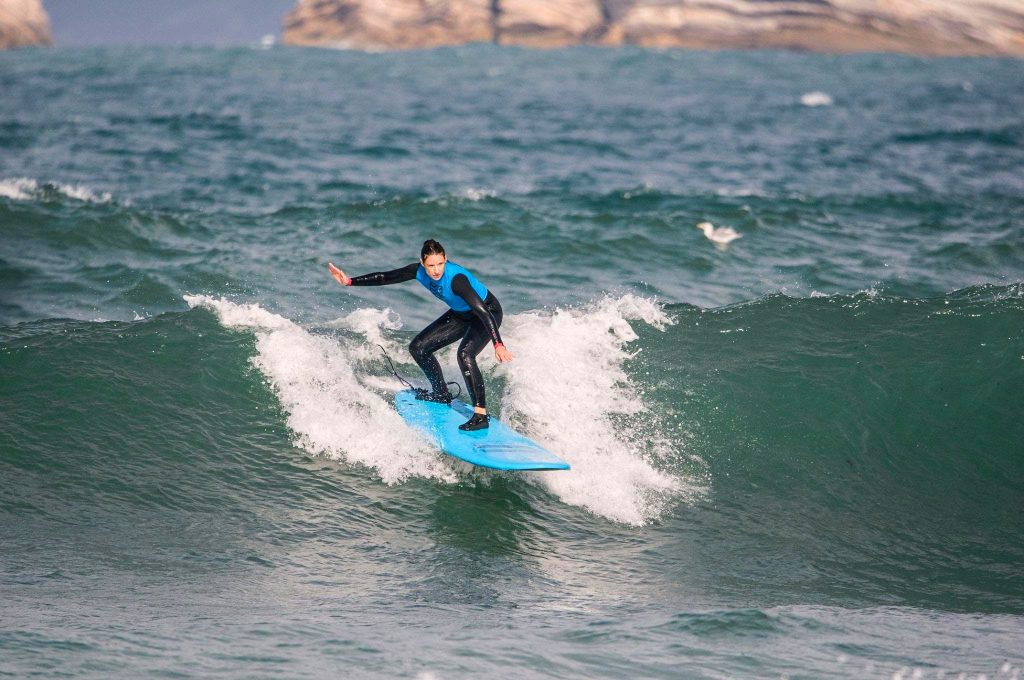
856 419
797 454
335 396
759 468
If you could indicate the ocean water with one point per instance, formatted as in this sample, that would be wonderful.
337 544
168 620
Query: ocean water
798 455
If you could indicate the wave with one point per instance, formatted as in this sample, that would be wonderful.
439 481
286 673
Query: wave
332 391
1007 136
26 189
568 388
883 380
336 397
328 408
853 416
880 434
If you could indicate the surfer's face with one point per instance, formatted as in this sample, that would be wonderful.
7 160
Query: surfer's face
434 264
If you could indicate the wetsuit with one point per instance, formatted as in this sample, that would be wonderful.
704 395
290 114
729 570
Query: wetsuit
474 316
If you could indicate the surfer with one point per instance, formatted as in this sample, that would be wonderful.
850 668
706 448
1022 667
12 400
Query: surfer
474 316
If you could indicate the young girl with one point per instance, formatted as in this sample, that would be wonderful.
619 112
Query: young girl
474 316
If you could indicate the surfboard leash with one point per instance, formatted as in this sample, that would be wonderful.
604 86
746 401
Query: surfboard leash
405 382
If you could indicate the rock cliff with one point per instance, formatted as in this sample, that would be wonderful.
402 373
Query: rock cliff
548 24
389 24
22 23
932 27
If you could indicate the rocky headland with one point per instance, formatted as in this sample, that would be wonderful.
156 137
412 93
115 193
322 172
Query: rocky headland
23 23
927 27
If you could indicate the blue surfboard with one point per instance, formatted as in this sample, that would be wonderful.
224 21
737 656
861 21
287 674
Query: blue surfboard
496 447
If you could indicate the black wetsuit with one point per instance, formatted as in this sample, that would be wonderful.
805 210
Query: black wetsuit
476 328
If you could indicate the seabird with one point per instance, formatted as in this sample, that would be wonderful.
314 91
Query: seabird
721 235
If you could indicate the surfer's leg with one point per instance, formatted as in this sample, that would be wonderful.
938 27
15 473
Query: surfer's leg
441 333
475 339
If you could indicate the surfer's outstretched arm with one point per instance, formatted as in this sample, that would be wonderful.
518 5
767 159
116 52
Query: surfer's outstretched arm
462 288
400 275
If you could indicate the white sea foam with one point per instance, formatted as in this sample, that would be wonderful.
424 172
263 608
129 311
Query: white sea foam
25 189
741 192
567 389
474 194
371 324
465 194
331 412
816 98
20 189
82 193
644 189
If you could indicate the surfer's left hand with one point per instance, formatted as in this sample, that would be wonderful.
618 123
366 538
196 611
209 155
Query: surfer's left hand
338 275
502 354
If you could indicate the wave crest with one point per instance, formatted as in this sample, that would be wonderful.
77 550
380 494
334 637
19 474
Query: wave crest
26 189
329 410
568 389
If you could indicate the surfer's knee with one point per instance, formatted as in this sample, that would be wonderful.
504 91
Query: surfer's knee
466 359
416 348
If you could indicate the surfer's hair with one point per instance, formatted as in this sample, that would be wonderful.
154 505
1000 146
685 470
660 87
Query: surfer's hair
431 247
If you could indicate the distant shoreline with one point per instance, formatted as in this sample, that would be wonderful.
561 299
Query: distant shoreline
958 28
916 27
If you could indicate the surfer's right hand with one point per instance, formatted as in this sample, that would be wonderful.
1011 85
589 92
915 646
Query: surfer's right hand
338 275
502 354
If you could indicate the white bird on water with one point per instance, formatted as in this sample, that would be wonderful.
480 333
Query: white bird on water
721 235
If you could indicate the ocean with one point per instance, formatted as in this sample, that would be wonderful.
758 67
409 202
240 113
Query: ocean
798 455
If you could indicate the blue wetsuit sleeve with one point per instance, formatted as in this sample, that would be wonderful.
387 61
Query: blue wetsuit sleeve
462 288
400 275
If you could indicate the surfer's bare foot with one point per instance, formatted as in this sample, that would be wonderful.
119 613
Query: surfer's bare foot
442 398
479 421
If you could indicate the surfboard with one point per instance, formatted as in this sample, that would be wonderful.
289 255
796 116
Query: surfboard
498 447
